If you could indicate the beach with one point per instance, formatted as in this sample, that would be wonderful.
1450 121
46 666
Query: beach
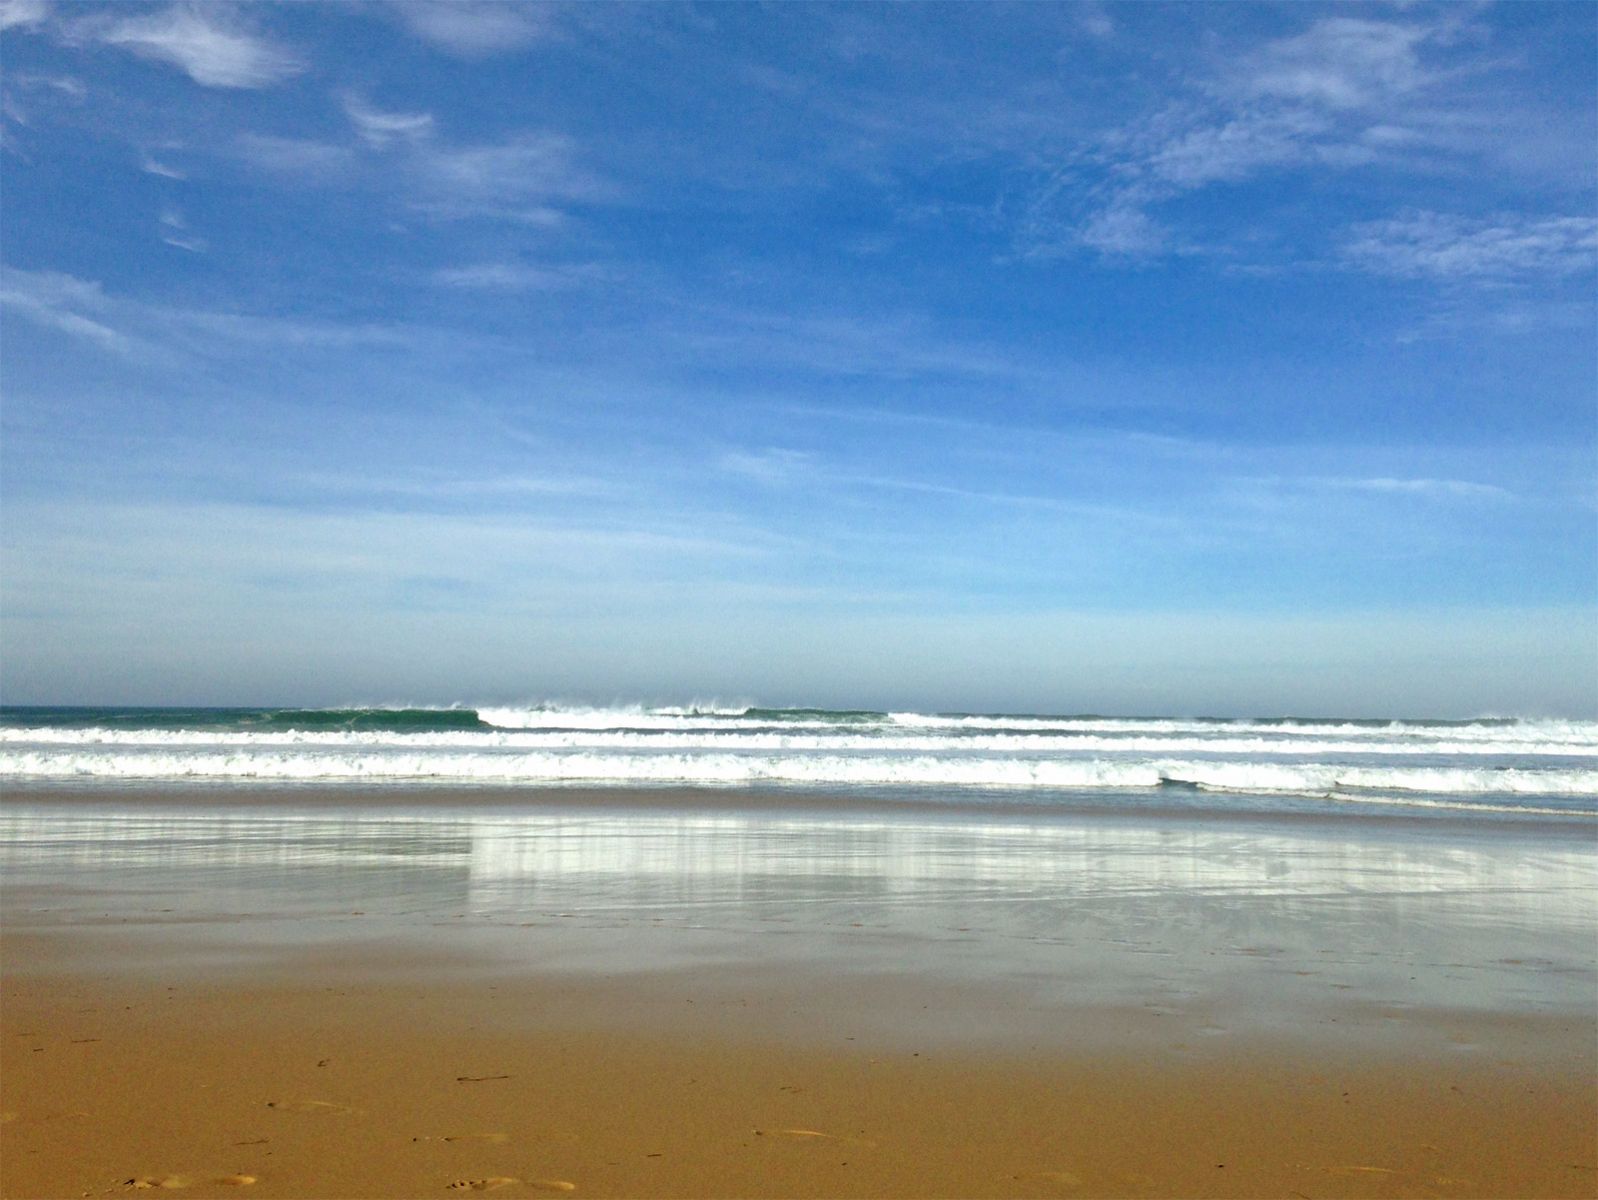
382 991
798 600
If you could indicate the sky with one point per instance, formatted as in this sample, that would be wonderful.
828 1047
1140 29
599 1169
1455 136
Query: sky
1122 358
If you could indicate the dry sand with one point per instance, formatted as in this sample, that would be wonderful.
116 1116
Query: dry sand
314 1088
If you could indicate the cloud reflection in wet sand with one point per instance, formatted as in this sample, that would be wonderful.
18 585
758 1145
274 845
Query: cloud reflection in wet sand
1065 910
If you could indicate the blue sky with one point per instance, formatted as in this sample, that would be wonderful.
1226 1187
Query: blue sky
1220 358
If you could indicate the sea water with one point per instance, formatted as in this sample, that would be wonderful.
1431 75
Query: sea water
1489 767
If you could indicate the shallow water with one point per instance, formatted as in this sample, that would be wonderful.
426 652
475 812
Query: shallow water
1269 924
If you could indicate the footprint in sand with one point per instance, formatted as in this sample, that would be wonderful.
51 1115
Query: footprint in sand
482 1185
466 1137
324 1107
141 1182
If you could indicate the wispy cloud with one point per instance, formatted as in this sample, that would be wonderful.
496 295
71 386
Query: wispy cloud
1473 311
1340 62
175 232
300 157
782 468
1178 155
477 28
1502 248
23 14
210 43
27 96
1426 488
150 165
1451 488
519 177
512 277
1093 19
379 128
508 488
62 302
298 332
772 466
525 177
840 344
194 245
65 85
1336 97
157 332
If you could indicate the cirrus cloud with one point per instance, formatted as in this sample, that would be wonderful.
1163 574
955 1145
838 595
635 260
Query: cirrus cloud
1504 247
208 43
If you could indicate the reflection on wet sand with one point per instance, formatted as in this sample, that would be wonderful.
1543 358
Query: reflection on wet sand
1078 911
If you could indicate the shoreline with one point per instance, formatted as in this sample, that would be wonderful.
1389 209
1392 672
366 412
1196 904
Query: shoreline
955 804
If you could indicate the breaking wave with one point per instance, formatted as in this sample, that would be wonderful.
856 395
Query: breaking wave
1399 761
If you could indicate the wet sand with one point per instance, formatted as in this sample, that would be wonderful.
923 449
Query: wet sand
326 1000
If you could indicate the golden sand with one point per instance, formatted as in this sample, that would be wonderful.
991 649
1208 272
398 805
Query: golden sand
306 1087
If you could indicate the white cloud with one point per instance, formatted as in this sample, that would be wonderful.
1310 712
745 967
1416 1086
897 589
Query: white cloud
475 28
162 333
66 85
1471 312
521 178
533 164
199 328
1339 96
508 488
773 466
175 232
517 179
1505 247
205 42
1183 149
23 14
25 97
900 346
505 277
1339 62
1122 230
61 301
1439 488
150 166
1233 149
295 156
378 128
1092 19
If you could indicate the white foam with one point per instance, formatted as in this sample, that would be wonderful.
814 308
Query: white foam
715 717
932 740
1575 732
1459 805
720 767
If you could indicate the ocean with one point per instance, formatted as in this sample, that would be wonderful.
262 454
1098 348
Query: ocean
1487 768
